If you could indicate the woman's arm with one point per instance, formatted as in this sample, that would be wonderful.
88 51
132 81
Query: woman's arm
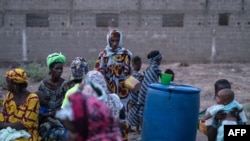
98 65
16 125
30 118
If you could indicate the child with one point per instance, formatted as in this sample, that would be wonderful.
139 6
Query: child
169 71
46 117
210 123
225 101
44 110
133 117
151 75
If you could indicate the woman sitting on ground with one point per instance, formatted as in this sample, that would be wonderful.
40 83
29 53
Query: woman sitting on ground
54 88
20 109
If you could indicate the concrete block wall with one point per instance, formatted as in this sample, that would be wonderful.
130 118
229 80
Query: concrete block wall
105 6
225 5
36 4
72 29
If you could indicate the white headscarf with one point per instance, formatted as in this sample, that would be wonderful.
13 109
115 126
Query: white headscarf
111 99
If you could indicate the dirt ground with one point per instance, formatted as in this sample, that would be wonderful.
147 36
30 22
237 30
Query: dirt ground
202 76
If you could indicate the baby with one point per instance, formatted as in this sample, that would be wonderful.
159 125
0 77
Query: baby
226 102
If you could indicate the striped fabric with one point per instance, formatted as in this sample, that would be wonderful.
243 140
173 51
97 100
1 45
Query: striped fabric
151 75
133 117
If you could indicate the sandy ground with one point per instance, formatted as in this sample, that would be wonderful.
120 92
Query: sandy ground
202 76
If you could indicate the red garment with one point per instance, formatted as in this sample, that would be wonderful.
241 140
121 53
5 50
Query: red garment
98 121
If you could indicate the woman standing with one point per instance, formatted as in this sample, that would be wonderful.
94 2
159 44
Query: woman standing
53 87
20 107
114 62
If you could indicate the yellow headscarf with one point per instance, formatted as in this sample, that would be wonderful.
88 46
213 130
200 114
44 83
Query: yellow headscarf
55 57
17 75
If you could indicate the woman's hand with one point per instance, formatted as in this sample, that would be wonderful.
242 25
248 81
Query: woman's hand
16 125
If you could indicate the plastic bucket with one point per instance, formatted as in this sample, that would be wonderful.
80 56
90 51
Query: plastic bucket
166 78
132 83
171 113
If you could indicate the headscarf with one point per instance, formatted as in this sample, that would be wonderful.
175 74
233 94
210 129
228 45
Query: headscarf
17 75
97 82
153 63
119 49
97 77
55 58
111 99
114 32
79 67
155 58
91 118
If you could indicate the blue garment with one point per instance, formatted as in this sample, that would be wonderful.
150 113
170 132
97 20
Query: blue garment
226 108
51 128
43 110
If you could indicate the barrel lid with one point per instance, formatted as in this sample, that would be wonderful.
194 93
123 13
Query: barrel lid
175 87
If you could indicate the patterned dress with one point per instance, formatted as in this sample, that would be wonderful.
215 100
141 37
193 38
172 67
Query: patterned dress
27 113
50 130
115 65
93 119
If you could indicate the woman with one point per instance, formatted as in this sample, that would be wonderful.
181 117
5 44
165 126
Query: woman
87 117
53 87
114 62
151 75
79 68
111 99
20 107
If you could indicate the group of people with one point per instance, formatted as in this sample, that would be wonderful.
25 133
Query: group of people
226 111
90 104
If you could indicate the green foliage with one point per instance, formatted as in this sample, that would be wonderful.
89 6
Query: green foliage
91 64
36 72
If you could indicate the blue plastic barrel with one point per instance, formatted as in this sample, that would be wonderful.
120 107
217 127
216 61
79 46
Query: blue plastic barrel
171 113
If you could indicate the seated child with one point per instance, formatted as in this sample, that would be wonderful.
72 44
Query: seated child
44 110
169 71
225 101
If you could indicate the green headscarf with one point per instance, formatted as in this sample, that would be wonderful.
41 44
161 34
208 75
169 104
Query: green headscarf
55 58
